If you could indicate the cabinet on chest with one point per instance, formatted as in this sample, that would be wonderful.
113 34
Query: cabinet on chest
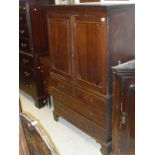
85 41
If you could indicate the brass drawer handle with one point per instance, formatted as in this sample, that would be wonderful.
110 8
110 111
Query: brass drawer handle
23 45
21 32
60 86
20 18
29 85
123 118
45 82
25 60
27 74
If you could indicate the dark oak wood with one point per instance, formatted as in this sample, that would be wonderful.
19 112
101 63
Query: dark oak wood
123 124
85 41
23 148
45 74
33 43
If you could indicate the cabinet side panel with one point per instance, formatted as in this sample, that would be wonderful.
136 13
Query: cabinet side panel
121 38
39 28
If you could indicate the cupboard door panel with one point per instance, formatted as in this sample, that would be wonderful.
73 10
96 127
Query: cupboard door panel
127 125
90 48
59 45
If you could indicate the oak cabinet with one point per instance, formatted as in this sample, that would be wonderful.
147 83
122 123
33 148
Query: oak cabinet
84 42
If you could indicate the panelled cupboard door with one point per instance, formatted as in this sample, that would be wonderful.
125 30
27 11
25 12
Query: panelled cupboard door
59 41
124 116
127 124
90 51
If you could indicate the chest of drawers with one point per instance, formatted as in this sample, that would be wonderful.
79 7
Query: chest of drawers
85 41
33 44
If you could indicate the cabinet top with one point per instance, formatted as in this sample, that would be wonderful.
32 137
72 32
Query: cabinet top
125 67
106 7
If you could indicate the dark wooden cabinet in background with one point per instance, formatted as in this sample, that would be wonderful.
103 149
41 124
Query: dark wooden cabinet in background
33 44
85 41
123 124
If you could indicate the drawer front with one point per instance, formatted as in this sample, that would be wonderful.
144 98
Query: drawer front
24 45
22 19
26 60
23 31
80 107
27 75
26 81
22 7
80 121
61 85
91 100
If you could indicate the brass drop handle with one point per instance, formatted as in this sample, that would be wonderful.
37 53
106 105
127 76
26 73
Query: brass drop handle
38 67
29 85
27 74
60 86
23 44
21 31
25 60
123 118
20 18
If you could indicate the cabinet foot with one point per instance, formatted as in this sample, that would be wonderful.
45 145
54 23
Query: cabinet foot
40 102
105 148
49 101
56 117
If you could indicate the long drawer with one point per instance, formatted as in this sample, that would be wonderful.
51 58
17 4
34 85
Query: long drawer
26 80
80 107
26 60
61 85
82 122
24 45
23 31
22 19
96 102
